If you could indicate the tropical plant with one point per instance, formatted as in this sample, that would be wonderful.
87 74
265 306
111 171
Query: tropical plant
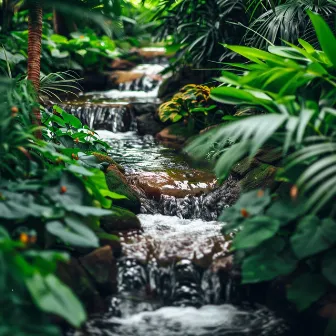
198 27
52 195
292 89
192 104
274 21
294 85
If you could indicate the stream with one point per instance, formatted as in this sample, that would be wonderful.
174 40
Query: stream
175 278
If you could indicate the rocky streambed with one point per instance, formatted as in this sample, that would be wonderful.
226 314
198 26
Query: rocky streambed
172 274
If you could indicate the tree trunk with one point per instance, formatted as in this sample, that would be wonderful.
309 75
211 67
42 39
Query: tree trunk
34 52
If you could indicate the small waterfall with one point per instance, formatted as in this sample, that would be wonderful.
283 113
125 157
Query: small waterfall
144 83
207 207
115 118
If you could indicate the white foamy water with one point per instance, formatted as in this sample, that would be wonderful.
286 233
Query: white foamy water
209 320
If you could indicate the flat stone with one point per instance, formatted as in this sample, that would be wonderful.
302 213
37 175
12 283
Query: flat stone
175 183
102 267
119 77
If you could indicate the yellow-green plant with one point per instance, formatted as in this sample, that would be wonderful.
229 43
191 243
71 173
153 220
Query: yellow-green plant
191 102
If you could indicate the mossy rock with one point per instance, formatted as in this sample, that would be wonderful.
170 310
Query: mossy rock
244 166
101 158
117 183
260 177
121 219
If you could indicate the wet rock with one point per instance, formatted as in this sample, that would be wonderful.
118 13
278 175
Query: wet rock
117 183
74 275
102 267
145 108
119 77
176 183
260 177
121 64
148 125
121 219
173 134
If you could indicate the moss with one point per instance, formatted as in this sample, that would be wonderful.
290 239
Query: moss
121 219
117 183
260 177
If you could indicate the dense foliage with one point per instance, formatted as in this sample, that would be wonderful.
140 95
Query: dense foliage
196 28
53 192
292 92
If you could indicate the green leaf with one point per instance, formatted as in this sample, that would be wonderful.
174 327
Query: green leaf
329 266
285 211
88 211
74 233
72 120
255 231
268 262
74 194
79 170
59 39
325 36
306 289
313 236
52 296
58 54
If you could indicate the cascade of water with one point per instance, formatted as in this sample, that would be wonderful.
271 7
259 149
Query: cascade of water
115 118
207 207
144 83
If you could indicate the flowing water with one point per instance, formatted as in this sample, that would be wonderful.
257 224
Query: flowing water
175 278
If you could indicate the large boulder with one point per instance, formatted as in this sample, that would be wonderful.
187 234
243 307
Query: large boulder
120 220
148 125
117 183
102 267
176 183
